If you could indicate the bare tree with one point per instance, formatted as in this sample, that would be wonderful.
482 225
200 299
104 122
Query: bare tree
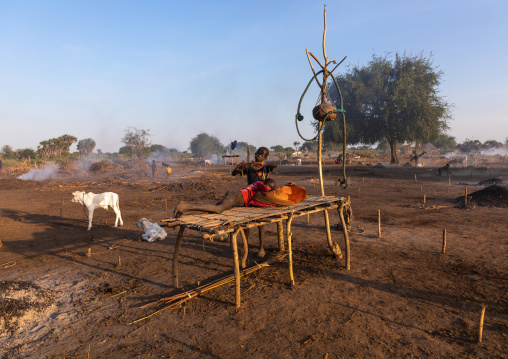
137 140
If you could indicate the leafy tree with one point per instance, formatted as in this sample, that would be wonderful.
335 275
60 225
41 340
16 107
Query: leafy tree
277 148
470 146
8 153
25 153
138 140
393 101
203 145
55 147
296 144
86 146
159 148
288 151
492 143
444 142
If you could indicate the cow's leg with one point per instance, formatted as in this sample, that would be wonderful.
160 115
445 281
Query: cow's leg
118 216
261 231
90 217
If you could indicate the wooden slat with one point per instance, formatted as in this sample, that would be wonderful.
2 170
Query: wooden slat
252 216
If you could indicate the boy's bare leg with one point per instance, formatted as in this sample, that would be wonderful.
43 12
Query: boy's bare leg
230 200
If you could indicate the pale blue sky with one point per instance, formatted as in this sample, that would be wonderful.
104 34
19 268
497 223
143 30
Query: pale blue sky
233 69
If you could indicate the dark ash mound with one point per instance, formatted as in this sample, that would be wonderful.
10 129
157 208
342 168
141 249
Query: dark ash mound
493 196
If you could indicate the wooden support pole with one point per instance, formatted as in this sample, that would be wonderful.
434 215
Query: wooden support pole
424 197
280 235
449 181
89 252
346 237
119 263
334 247
290 250
415 178
236 268
175 256
379 223
421 189
363 179
480 324
245 248
465 198
308 218
444 241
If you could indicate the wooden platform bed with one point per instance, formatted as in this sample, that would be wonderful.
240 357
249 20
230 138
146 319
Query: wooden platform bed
234 221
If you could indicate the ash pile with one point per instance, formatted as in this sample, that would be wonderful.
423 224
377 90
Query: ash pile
495 195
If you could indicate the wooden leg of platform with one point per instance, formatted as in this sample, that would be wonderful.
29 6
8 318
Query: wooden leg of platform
175 256
280 233
290 250
245 248
334 247
346 236
237 268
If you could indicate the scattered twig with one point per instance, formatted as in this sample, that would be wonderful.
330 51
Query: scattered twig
114 295
7 265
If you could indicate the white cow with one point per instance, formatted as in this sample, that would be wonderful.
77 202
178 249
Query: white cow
91 201
153 231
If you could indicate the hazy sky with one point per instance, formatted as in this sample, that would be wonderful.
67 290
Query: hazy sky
233 69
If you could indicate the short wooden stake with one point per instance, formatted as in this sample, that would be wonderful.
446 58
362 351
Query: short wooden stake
449 181
415 178
290 250
308 218
119 264
363 179
444 241
480 324
421 189
89 253
379 223
465 198
424 197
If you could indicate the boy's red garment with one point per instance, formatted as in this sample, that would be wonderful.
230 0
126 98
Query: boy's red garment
249 192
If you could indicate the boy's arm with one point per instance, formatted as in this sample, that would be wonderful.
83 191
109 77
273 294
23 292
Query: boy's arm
240 169
270 165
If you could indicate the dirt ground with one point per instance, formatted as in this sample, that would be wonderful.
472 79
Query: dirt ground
402 298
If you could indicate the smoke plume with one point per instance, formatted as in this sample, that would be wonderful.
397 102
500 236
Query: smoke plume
49 171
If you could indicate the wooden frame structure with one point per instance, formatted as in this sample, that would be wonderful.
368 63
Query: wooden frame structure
236 220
